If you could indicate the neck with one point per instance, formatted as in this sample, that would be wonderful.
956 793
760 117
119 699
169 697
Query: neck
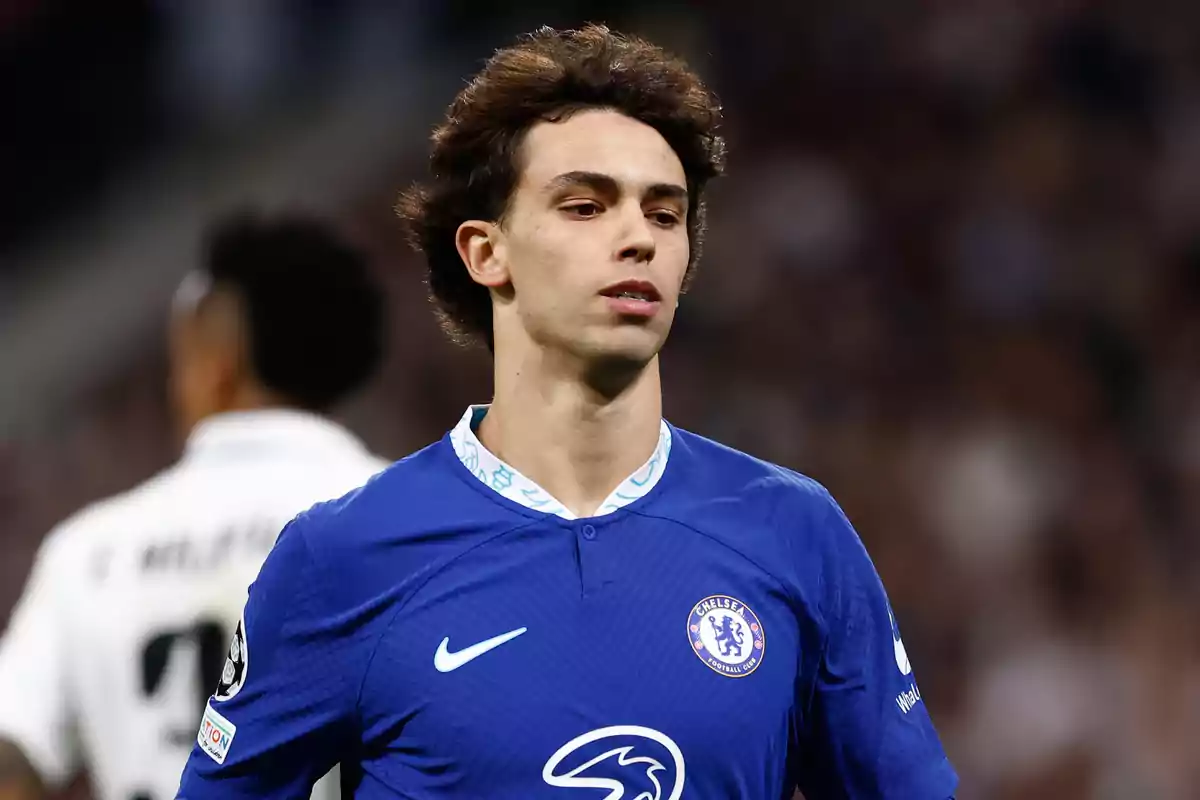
244 397
576 437
253 397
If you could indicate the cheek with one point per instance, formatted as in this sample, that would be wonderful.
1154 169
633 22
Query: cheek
672 257
545 261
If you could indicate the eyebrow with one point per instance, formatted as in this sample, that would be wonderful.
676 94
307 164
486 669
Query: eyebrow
606 184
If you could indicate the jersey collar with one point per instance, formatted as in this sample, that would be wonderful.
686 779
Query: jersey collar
509 483
269 431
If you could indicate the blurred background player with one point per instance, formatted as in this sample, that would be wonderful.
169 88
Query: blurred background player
126 621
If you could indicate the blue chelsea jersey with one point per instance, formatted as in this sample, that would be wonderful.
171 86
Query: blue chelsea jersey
450 631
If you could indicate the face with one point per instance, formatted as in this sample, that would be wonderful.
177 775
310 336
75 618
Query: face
594 246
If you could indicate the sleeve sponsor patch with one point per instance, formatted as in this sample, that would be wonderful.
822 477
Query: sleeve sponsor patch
233 676
216 735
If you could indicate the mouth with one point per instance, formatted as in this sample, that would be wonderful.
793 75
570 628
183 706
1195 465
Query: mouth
633 300
643 291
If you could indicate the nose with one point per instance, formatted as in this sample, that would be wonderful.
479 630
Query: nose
637 238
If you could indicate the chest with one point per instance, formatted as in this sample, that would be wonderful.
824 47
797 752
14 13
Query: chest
563 656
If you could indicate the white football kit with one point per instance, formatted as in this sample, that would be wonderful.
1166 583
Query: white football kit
123 628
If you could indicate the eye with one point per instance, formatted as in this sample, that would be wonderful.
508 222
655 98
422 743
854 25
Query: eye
664 218
582 209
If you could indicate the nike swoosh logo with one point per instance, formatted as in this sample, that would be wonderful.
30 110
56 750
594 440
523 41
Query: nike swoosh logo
445 661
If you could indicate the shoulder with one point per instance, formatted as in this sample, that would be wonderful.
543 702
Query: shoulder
407 519
358 465
400 499
774 515
105 522
373 464
721 473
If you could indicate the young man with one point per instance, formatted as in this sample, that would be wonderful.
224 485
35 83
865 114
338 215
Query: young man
567 594
125 624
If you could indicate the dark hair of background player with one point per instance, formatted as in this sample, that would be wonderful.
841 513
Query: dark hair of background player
547 75
314 310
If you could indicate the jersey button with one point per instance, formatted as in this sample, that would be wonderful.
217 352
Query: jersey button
589 532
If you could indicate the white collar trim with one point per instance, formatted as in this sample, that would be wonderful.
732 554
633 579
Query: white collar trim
507 482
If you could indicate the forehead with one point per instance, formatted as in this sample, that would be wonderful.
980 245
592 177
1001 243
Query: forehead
602 141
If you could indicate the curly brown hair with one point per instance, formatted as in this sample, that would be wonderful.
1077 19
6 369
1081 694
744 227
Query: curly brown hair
547 75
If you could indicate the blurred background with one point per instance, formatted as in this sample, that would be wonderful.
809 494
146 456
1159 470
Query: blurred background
954 275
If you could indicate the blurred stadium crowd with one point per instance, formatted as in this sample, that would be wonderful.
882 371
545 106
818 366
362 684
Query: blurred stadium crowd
954 275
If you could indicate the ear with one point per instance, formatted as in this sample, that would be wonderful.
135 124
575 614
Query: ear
481 246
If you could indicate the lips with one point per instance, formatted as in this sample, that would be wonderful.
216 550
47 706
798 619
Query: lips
633 300
633 290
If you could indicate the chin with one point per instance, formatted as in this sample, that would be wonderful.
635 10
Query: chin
622 350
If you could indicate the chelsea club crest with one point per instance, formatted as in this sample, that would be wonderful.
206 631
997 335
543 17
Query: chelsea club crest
726 635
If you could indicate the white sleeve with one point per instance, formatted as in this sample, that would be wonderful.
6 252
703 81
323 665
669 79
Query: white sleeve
37 712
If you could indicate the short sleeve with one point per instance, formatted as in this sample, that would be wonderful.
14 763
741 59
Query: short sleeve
284 711
37 710
869 735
